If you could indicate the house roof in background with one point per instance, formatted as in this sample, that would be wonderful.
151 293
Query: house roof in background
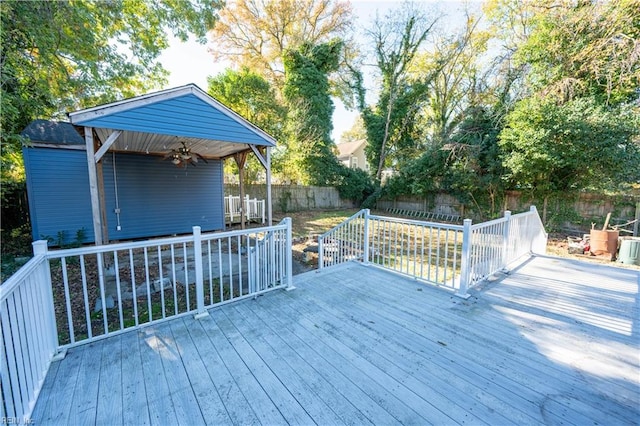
53 132
348 148
158 122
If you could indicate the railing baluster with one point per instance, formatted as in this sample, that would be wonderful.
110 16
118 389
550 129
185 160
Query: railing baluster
161 281
134 294
85 295
174 281
146 273
239 244
67 299
118 288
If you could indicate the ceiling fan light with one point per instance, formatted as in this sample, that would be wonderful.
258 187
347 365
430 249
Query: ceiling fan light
175 160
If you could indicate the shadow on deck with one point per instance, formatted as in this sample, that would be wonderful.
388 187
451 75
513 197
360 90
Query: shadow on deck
554 342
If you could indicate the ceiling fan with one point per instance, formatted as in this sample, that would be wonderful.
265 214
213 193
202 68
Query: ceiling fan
183 156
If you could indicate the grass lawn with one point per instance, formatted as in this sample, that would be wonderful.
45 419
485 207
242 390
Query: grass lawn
314 222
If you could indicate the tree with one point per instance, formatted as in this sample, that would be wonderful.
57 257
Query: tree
257 33
357 132
580 49
307 93
59 55
550 147
252 97
397 38
455 86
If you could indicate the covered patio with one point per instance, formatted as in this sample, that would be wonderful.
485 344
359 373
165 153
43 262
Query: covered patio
181 125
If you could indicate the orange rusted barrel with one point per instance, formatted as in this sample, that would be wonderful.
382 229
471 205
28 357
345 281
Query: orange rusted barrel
604 243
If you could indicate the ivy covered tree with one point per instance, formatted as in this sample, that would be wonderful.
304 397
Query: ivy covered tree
310 150
308 97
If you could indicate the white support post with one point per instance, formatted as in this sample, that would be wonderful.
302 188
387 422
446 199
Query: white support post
366 237
289 266
465 269
201 312
505 240
320 252
268 177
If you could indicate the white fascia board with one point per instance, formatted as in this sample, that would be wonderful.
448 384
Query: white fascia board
78 117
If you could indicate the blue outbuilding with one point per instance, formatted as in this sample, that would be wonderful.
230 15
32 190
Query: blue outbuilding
142 167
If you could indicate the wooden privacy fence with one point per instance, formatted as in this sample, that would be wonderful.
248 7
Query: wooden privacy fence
456 257
64 298
290 198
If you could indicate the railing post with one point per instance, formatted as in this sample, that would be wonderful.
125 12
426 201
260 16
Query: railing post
505 239
287 221
201 312
320 252
40 248
465 269
366 237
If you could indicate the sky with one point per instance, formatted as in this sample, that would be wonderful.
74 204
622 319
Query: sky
190 62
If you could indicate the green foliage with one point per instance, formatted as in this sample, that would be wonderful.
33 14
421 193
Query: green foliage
251 96
58 55
354 184
62 241
307 93
468 167
390 123
577 145
584 49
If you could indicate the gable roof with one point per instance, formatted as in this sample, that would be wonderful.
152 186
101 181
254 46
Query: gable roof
53 132
160 121
348 148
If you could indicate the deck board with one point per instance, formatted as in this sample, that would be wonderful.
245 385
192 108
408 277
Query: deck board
109 402
134 394
553 342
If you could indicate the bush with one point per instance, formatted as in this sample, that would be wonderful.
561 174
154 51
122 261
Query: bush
353 184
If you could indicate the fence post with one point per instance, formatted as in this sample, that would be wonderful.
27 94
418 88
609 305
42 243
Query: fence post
465 269
201 312
505 240
287 221
366 237
320 252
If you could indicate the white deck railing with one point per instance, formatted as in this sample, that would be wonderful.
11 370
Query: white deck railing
64 298
28 333
457 257
254 209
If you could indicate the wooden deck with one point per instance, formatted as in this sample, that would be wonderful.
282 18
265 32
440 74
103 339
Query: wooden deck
555 342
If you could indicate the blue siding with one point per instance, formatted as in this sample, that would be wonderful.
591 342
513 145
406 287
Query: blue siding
58 188
187 116
155 197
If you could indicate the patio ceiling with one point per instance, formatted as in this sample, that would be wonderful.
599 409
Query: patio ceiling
159 122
